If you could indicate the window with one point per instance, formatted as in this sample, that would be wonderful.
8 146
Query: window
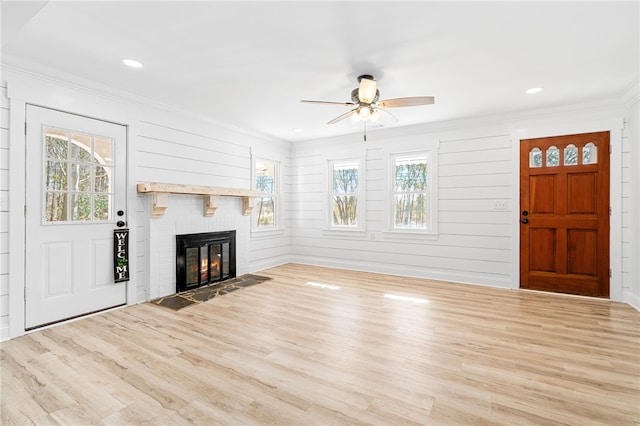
412 206
78 177
266 182
346 188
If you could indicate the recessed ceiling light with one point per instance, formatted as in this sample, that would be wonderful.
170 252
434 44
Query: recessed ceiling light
533 90
132 63
298 130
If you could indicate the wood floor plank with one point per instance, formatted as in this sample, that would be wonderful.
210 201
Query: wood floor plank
363 349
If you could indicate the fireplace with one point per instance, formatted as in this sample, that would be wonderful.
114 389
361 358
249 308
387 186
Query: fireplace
204 258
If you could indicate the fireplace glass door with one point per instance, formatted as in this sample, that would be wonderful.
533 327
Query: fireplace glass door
204 258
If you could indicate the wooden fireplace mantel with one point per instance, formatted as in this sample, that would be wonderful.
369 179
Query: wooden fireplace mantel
210 194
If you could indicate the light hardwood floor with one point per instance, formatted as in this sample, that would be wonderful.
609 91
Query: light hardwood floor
285 352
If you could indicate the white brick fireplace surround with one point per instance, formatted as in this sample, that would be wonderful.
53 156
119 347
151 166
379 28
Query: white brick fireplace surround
184 216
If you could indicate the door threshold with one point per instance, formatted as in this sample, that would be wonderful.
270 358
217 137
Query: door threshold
553 293
72 319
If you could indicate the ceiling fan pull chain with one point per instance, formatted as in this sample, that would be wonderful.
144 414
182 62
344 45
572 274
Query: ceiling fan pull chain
365 131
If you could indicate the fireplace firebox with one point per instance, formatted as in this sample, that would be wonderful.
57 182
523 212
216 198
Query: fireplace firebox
204 258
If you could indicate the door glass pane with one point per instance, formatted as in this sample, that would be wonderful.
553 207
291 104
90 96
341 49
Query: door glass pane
55 176
553 156
56 146
571 155
589 154
103 150
101 207
102 179
81 148
78 177
56 206
80 207
535 158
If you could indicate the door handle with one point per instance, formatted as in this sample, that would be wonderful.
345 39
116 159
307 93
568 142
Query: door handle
525 221
525 213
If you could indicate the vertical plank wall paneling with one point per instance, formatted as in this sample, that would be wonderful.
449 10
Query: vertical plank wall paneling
474 242
4 212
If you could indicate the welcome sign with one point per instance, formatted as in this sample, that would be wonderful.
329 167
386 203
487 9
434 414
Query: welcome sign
121 255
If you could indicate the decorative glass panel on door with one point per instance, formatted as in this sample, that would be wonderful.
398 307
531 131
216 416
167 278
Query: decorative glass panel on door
78 177
535 157
553 156
571 155
589 154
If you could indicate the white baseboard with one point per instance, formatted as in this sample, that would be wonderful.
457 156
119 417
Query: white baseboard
632 299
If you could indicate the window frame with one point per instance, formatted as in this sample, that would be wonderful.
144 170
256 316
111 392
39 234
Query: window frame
276 195
431 194
94 161
360 195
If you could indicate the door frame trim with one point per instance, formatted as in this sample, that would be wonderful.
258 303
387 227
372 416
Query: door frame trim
614 126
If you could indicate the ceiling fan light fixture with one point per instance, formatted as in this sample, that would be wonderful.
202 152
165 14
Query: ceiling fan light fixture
375 116
367 89
364 113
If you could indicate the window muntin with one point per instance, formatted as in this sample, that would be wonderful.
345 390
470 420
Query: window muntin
411 209
78 177
266 181
345 193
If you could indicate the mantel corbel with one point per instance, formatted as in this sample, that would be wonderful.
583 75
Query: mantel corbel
210 194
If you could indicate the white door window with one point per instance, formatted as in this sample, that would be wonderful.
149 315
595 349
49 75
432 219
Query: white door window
75 184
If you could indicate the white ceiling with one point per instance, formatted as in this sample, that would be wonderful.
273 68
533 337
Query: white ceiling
247 64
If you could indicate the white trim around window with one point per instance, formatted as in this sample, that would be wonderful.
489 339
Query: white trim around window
266 177
421 219
345 201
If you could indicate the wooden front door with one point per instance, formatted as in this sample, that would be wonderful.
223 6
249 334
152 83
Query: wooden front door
564 214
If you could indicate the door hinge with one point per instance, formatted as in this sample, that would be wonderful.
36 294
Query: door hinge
25 293
609 272
25 210
25 128
609 210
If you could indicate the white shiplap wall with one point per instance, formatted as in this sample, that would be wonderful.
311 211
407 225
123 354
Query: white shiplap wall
478 198
164 145
631 205
4 212
474 242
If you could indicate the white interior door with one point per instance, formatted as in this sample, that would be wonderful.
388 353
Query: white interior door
75 186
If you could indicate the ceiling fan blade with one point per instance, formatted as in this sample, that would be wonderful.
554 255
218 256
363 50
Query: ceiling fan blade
327 102
341 117
367 89
405 102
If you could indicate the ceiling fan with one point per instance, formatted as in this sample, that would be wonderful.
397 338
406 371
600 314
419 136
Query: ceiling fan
365 104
